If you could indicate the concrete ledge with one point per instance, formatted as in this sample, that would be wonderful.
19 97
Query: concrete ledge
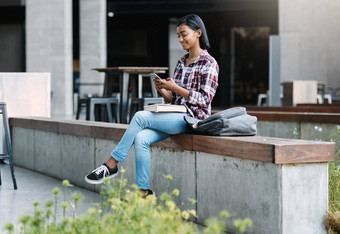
264 149
281 184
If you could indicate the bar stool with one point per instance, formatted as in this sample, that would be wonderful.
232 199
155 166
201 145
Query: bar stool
138 104
90 103
9 154
107 102
260 97
140 101
327 97
83 103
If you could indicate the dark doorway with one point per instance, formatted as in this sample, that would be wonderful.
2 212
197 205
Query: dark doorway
12 38
137 40
138 35
249 64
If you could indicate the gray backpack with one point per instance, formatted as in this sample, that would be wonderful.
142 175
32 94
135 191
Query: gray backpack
230 122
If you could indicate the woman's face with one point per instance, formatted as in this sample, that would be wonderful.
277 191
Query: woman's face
188 37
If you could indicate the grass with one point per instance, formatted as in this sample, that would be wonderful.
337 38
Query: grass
333 220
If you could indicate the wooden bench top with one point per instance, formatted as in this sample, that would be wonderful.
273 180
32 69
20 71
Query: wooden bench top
263 149
283 116
304 113
316 108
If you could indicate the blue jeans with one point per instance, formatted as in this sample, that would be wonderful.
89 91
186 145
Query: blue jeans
145 129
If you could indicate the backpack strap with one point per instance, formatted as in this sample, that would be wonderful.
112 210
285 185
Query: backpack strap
230 122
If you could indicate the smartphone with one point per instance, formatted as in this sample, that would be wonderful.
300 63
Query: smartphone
154 76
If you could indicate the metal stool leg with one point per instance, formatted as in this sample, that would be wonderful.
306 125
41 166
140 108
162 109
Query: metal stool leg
117 114
9 145
91 112
109 111
0 175
107 103
78 109
83 102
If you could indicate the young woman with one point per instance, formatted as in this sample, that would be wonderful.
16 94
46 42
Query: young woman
194 85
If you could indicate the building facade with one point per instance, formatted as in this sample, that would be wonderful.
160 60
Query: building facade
69 38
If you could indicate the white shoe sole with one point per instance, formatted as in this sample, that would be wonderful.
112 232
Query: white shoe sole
154 194
99 181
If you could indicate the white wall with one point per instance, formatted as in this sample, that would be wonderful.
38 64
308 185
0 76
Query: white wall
310 36
93 47
26 94
49 48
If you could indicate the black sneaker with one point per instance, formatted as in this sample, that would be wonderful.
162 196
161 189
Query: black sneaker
150 192
97 175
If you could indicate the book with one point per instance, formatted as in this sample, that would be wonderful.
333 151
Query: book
165 108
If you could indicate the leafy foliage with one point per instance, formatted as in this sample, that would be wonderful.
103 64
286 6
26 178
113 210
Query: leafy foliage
333 220
122 210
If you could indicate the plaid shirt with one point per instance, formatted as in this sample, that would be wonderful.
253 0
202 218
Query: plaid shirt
200 79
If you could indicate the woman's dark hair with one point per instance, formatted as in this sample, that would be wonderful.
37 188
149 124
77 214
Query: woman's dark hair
195 22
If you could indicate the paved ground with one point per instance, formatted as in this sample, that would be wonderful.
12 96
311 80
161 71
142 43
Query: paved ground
33 187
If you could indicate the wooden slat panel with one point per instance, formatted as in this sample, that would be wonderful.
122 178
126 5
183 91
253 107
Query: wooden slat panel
109 131
336 105
303 108
234 147
304 153
297 117
20 122
182 141
132 69
45 125
75 129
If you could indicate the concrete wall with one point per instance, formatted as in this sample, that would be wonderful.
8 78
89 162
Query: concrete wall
275 197
71 157
49 48
93 47
279 129
296 130
303 204
309 40
278 198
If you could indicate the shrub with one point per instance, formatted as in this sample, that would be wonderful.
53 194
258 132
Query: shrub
333 220
123 210
334 174
333 223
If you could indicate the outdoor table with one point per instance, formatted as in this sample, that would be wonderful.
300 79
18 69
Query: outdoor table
124 76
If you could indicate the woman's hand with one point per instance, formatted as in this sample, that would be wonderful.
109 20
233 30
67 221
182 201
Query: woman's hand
159 84
167 84
163 86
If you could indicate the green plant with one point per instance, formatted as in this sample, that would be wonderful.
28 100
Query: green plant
333 223
122 210
334 186
334 174
333 220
